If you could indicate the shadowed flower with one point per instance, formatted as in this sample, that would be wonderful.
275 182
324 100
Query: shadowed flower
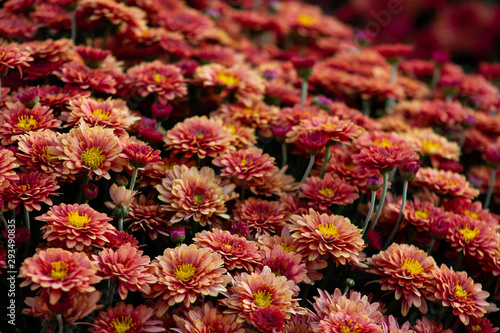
260 290
284 263
459 291
268 320
408 271
20 235
87 78
445 183
30 96
197 194
147 215
128 266
237 252
201 136
3 256
480 325
11 56
424 325
318 234
126 318
121 238
57 271
76 226
206 318
328 191
7 163
59 97
186 273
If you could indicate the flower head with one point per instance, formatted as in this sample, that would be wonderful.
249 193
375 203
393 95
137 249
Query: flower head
205 318
268 320
7 163
445 183
328 191
11 56
472 237
147 215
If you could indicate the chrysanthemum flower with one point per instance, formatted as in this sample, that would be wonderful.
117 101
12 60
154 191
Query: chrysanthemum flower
328 191
16 119
260 290
284 263
318 234
263 217
59 97
139 153
126 318
472 237
424 325
111 113
237 252
268 320
121 238
245 165
384 158
11 56
391 325
482 325
165 81
7 163
147 215
197 194
459 291
276 184
186 273
89 149
428 143
126 265
418 213
335 129
205 318
201 136
445 183
408 271
152 175
30 190
21 235
76 226
3 256
87 78
57 271
121 198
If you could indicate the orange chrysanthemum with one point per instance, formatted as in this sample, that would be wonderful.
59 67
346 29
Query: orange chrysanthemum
408 271
76 226
57 271
251 292
89 149
328 191
7 163
318 235
126 318
30 190
197 194
428 143
459 291
446 183
126 265
236 251
201 136
186 273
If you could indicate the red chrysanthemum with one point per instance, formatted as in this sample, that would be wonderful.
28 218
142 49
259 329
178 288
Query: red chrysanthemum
139 153
268 320
328 191
59 97
57 271
384 158
76 226
284 263
424 325
87 78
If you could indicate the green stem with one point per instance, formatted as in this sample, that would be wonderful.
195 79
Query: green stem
382 199
73 26
60 323
325 161
366 106
120 224
462 138
304 92
4 221
449 99
107 32
309 168
435 79
400 217
111 293
441 315
490 188
84 181
134 177
431 246
459 260
370 212
284 154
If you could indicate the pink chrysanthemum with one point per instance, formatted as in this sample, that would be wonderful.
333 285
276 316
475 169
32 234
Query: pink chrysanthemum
126 265
318 235
111 113
424 325
59 97
205 318
201 136
268 320
126 318
30 190
89 149
328 191
57 271
197 194
147 215
260 290
472 237
246 165
165 81
11 56
263 217
76 226
459 291
7 163
17 119
284 263
445 183
87 78
139 153
237 252
418 213
408 271
186 273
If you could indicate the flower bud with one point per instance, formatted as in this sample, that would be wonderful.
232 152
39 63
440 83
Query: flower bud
323 102
280 131
374 183
90 191
161 112
303 67
313 143
408 170
30 97
178 236
438 227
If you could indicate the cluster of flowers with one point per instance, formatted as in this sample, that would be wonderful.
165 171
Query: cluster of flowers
165 122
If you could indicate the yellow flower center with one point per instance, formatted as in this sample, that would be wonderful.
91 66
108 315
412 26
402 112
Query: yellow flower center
59 269
228 79
99 113
232 128
383 143
351 327
197 198
262 298
26 123
413 266
328 229
184 272
327 191
227 245
92 157
158 78
474 215
476 328
306 20
25 187
251 111
122 324
430 146
469 234
290 247
423 215
45 153
77 220
200 136
244 161
460 292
